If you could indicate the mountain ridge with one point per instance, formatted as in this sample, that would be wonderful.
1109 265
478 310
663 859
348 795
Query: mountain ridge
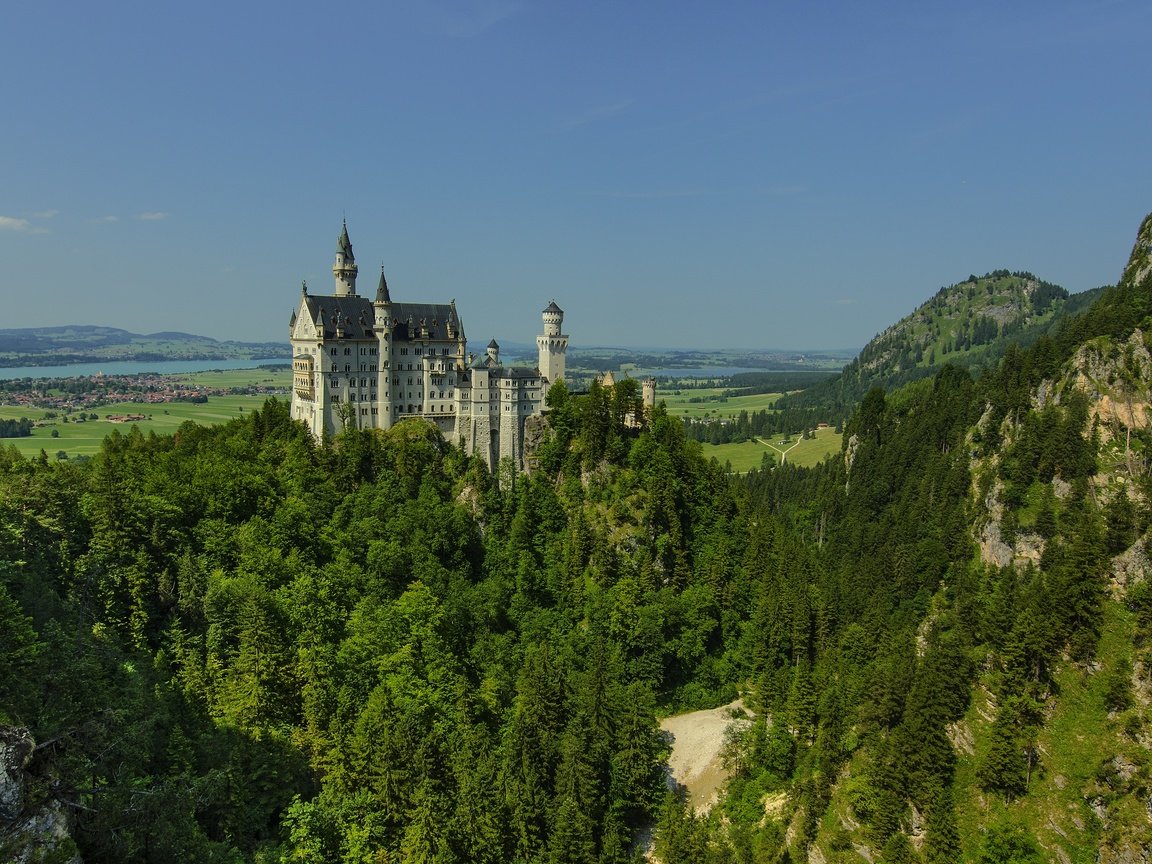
969 323
91 343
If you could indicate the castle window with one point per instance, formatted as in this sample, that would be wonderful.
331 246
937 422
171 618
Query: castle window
347 367
403 350
347 351
444 351
418 351
333 352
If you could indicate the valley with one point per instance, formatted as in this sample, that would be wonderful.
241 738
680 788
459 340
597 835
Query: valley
228 640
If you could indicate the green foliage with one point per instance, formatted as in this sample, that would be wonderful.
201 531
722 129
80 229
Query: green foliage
267 649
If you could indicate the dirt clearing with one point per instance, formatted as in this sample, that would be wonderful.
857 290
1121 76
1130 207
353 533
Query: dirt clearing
695 763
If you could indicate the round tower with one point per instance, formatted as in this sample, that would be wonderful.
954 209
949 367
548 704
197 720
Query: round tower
552 344
382 325
344 269
648 393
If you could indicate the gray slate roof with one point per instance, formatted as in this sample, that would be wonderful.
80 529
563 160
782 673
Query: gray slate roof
357 317
354 313
434 315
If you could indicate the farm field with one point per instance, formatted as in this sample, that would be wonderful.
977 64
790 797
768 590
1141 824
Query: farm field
748 454
240 378
84 438
714 403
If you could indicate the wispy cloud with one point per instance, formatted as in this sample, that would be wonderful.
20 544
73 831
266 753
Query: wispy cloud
12 223
465 19
106 220
600 112
20 226
152 216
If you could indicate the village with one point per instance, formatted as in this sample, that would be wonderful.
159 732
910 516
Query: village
84 393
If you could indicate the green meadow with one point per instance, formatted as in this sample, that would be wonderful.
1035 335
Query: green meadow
711 402
84 438
748 454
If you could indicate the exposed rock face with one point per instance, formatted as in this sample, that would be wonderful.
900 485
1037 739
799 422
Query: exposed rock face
28 836
1128 568
41 837
16 747
535 428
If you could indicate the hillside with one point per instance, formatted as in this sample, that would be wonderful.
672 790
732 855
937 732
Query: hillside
59 346
968 324
240 644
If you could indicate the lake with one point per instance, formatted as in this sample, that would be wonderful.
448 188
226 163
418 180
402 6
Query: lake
133 367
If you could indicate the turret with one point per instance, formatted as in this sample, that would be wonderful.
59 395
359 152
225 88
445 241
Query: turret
345 269
648 393
494 353
382 325
552 345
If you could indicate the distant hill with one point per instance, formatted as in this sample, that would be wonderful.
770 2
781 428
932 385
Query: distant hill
968 324
81 343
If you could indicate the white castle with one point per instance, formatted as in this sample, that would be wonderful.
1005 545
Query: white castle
372 363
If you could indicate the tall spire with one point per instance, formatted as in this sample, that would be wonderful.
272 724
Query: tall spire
345 267
344 245
382 295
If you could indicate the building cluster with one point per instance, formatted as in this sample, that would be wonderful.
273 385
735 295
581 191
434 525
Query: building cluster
149 388
372 363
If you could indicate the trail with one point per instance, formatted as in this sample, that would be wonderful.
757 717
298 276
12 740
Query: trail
783 453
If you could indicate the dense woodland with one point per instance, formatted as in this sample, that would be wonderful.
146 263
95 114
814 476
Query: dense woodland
238 644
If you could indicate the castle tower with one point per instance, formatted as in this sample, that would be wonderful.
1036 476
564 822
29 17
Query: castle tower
648 394
552 344
345 267
382 325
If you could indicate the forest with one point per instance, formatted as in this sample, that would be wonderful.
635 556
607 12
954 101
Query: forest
238 644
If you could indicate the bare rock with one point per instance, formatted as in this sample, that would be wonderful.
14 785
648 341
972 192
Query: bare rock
1129 568
16 748
42 836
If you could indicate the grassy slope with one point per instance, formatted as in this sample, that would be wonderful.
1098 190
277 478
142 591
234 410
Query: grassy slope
715 404
1073 775
747 455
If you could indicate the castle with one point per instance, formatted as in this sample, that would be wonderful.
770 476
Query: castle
372 363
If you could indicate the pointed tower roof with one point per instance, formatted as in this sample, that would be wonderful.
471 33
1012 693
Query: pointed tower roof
292 322
493 344
382 295
343 244
552 307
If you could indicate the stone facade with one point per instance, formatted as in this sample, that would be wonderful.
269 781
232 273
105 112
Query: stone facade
372 363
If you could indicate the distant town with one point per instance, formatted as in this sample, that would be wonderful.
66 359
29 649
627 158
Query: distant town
84 393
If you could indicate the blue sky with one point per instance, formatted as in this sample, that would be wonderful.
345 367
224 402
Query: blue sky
738 174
